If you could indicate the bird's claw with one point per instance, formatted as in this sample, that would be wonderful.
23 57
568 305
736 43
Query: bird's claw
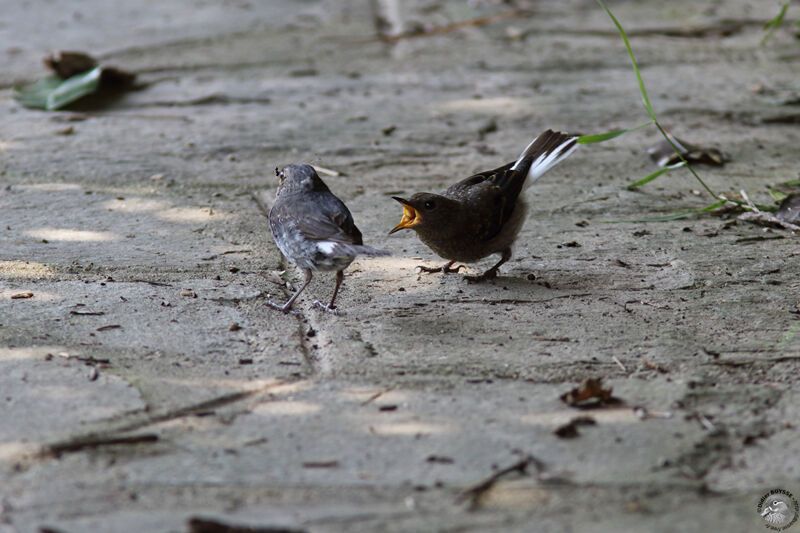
326 307
444 269
284 309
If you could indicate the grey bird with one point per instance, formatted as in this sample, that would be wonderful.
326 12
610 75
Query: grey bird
313 229
483 214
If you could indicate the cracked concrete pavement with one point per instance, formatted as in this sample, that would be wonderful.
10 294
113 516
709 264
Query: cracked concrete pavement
131 401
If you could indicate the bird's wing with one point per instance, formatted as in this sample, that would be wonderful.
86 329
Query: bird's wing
326 218
490 198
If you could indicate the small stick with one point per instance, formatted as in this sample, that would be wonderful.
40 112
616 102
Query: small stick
474 493
619 363
328 171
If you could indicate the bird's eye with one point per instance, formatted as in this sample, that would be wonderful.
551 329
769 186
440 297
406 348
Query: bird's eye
430 204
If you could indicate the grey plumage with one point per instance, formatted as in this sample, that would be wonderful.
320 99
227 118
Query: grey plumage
313 228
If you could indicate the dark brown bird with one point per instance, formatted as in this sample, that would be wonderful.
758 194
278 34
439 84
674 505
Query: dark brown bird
483 214
313 229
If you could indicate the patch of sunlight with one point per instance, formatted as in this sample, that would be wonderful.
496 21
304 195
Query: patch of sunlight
37 295
268 385
71 235
25 270
371 394
515 494
286 408
13 451
556 418
136 205
32 352
191 214
501 104
409 429
52 187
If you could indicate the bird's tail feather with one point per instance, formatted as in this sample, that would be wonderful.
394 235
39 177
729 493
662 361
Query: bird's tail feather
346 249
545 152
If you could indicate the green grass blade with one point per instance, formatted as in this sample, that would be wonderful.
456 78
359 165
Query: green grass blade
656 174
642 89
601 137
773 24
676 216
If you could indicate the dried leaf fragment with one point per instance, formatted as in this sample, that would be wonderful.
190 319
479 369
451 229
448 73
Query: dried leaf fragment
22 295
590 393
664 155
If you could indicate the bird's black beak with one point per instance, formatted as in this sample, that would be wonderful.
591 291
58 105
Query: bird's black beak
411 216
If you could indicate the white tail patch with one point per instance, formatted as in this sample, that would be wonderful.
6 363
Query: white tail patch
546 160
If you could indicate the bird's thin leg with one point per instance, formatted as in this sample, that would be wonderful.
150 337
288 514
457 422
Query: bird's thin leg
330 307
445 268
492 272
287 307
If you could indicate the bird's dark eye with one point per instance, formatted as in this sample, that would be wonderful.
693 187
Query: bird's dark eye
430 204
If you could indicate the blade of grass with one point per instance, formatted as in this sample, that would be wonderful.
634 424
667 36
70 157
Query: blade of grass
773 24
646 99
655 174
676 216
633 60
600 137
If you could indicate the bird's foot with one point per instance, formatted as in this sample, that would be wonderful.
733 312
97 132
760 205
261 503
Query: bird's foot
447 268
486 276
283 308
326 307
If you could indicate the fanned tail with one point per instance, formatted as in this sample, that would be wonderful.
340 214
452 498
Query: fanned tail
544 152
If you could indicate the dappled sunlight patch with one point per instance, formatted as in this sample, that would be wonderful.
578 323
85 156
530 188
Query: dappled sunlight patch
365 395
71 235
502 104
409 429
30 352
16 450
191 214
236 385
136 205
515 494
36 295
52 187
25 270
287 408
624 415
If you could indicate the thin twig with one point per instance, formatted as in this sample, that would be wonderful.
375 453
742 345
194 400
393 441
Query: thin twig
474 493
619 363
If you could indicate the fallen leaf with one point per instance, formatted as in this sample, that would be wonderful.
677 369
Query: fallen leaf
664 155
590 393
76 75
22 295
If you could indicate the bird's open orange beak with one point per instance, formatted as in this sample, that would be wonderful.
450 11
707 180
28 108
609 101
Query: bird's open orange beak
410 216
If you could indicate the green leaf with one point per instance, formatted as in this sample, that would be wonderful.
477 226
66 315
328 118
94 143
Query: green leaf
656 174
601 137
54 93
777 195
